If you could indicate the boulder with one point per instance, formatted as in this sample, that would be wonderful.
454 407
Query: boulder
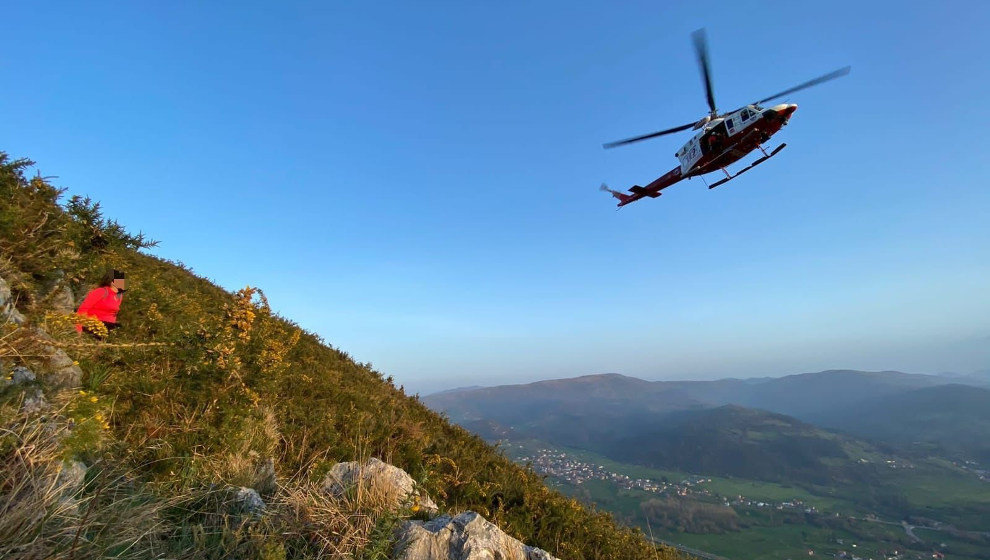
377 480
469 536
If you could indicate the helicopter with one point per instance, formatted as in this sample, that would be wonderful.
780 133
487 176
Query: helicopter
722 138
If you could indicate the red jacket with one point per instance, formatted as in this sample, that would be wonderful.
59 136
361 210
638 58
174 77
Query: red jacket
101 303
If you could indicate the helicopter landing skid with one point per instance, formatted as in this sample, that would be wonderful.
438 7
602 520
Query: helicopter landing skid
765 157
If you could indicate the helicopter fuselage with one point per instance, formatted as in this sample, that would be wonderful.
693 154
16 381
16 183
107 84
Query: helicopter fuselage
731 137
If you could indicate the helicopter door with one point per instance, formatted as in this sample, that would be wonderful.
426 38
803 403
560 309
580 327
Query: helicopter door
689 154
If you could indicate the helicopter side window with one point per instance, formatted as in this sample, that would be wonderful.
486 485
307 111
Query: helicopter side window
745 114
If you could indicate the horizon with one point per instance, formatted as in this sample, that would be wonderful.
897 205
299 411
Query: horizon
419 186
942 375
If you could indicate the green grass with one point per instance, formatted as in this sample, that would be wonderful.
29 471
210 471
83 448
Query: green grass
955 547
924 486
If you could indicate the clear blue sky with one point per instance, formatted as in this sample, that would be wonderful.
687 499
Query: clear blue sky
417 182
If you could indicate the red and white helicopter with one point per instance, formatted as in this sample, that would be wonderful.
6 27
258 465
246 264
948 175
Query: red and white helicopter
721 139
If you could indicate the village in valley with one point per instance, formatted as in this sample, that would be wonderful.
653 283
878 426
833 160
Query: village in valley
569 470
564 468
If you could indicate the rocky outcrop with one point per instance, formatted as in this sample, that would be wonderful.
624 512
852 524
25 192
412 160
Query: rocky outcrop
377 480
34 402
247 501
58 370
469 536
265 482
8 313
20 375
60 294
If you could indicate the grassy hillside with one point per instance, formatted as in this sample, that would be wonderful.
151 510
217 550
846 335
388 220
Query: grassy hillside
229 385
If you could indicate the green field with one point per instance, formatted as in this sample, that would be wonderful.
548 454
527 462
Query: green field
725 487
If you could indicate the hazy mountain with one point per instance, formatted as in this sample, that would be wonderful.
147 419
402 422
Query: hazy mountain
659 425
688 425
805 395
951 419
575 412
749 443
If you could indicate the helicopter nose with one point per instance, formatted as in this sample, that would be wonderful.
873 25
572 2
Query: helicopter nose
784 110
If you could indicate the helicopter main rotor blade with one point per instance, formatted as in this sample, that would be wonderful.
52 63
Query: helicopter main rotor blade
701 49
647 136
821 79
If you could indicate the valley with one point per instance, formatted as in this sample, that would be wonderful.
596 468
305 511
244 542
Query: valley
743 519
840 464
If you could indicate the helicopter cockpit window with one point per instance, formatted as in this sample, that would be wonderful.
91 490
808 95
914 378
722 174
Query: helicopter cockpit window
745 114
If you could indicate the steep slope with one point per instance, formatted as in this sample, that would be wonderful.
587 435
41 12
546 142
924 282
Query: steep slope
201 384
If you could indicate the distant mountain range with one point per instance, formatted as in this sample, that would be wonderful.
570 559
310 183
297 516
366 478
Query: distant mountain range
812 427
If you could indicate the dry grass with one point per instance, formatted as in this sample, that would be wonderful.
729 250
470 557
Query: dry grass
113 515
44 515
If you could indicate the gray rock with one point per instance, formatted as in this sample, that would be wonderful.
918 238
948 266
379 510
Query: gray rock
20 375
60 294
264 477
377 480
469 536
70 478
247 500
34 402
58 370
68 483
62 370
8 313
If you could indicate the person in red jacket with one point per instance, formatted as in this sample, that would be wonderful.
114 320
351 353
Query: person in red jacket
103 302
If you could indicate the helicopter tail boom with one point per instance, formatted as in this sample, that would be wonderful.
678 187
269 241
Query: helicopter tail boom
652 190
